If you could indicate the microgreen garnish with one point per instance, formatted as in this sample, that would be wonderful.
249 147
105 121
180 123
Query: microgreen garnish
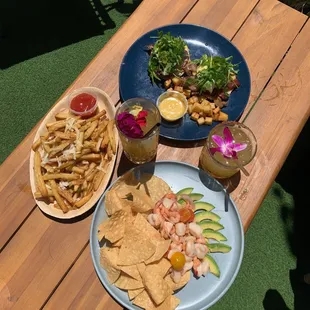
167 56
214 72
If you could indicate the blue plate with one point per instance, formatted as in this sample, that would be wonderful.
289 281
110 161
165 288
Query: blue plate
134 80
200 293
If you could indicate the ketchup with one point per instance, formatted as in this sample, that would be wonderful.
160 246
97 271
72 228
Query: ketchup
83 103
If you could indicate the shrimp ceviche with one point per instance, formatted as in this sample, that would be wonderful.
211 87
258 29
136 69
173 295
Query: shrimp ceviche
176 222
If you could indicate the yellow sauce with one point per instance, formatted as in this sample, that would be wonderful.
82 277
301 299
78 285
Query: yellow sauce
171 108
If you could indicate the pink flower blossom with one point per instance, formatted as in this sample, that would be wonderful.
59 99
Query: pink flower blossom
226 145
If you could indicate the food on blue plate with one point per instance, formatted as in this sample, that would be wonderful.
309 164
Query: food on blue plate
150 245
206 82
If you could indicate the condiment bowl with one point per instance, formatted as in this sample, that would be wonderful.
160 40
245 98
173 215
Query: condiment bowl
176 95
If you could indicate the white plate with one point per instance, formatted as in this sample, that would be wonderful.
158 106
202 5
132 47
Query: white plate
198 293
104 102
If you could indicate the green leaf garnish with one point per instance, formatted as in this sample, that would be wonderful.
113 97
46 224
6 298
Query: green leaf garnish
214 72
167 56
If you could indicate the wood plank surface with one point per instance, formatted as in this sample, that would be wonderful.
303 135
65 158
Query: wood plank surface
81 289
277 119
269 31
190 155
102 72
45 249
223 16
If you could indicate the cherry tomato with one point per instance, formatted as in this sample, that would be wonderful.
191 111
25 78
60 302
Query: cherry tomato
177 261
186 215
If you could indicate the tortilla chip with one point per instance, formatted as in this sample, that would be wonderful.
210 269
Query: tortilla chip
108 257
141 268
136 247
162 247
101 230
153 186
134 293
149 231
126 282
175 301
149 184
144 301
155 285
132 271
113 228
117 243
141 202
112 202
176 286
162 266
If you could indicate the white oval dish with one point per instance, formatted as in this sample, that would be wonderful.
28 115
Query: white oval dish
104 102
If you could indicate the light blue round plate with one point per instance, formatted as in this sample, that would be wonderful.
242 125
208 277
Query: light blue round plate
199 293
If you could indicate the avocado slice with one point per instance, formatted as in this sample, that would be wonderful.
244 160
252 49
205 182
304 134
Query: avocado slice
206 215
211 234
218 248
185 191
207 224
201 205
214 268
195 196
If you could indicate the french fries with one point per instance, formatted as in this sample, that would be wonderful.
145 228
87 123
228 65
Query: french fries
71 159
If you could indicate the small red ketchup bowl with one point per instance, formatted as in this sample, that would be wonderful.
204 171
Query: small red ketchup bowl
83 102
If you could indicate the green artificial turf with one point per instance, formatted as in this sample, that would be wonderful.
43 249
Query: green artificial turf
30 87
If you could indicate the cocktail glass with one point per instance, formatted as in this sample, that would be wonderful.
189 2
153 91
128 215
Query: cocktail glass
141 150
221 162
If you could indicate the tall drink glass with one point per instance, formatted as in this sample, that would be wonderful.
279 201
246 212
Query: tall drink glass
143 149
224 148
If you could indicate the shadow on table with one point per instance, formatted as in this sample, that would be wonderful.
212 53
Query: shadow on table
32 28
294 179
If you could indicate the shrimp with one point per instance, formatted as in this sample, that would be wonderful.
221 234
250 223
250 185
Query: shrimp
167 226
202 269
155 220
196 264
187 258
195 229
176 276
190 248
171 216
201 240
176 246
187 266
175 238
180 229
201 250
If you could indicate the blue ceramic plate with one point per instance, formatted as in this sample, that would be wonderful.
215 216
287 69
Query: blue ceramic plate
199 293
134 80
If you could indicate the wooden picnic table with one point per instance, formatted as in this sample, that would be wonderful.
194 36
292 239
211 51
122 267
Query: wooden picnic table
46 263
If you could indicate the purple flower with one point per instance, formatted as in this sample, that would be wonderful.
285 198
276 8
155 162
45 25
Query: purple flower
128 125
227 146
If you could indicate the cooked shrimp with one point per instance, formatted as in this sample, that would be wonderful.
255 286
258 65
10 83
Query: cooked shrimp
155 220
176 276
187 266
180 229
167 226
176 246
195 229
202 269
171 216
175 238
190 248
201 250
201 240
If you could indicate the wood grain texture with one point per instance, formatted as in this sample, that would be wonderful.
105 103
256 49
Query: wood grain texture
42 251
264 39
82 289
276 120
223 16
102 72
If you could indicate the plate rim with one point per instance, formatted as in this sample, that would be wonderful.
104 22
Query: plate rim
240 259
46 209
192 25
